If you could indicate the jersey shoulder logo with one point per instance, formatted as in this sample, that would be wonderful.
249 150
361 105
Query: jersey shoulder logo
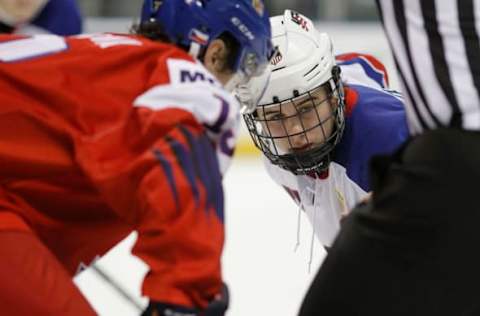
277 58
300 20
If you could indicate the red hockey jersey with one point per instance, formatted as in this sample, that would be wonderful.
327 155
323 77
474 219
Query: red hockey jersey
104 134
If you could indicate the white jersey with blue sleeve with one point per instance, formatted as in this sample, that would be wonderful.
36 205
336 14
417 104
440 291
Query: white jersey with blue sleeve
375 123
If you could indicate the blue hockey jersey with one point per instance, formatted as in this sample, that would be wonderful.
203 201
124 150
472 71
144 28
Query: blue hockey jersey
375 119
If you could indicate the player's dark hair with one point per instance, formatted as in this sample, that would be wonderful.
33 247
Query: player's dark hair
232 46
151 30
154 31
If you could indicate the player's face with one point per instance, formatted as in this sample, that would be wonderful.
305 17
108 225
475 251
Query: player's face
301 123
20 11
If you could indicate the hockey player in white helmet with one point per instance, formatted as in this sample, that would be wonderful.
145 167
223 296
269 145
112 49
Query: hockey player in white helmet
320 119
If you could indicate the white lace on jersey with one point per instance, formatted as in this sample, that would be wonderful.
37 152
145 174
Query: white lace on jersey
324 201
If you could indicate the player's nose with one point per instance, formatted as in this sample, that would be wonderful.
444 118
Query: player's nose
298 136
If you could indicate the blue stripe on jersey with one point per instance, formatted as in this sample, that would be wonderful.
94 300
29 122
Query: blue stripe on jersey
185 161
216 178
369 69
202 169
167 168
377 125
206 167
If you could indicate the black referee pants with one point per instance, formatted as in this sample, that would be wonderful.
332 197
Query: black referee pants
414 249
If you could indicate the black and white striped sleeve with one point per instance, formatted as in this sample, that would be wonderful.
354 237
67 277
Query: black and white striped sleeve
436 48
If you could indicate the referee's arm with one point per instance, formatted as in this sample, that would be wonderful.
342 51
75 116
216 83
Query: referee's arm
436 49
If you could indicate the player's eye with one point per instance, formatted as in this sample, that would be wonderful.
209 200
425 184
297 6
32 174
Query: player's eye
306 109
274 116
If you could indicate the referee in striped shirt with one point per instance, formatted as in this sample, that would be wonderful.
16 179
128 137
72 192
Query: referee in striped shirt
414 248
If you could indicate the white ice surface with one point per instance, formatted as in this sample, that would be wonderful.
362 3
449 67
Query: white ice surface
264 274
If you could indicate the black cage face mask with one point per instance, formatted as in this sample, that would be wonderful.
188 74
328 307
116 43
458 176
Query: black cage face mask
299 134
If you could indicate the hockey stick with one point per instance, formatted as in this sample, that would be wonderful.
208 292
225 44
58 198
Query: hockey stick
115 285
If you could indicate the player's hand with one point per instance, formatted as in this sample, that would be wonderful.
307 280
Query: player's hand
217 307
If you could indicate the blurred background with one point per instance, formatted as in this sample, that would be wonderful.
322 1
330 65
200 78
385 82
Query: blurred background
325 10
352 24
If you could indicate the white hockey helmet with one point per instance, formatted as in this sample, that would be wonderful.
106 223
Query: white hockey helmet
17 12
304 63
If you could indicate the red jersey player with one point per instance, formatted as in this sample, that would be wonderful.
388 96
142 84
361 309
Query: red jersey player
104 134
